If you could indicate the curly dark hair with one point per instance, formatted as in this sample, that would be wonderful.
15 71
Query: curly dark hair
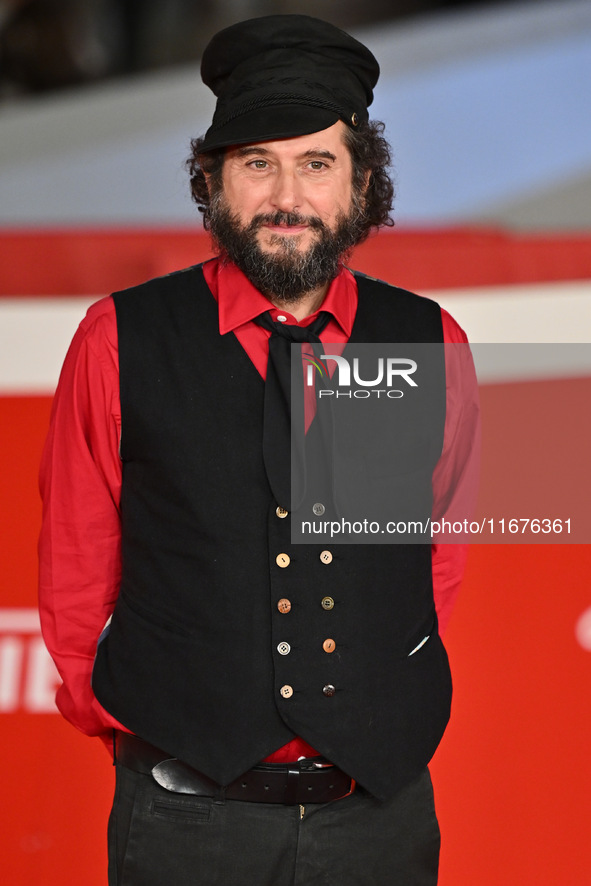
370 152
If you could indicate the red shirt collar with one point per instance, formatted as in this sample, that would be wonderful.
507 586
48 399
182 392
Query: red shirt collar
240 302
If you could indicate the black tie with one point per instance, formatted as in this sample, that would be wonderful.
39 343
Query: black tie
277 416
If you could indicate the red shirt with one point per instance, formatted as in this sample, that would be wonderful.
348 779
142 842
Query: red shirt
80 477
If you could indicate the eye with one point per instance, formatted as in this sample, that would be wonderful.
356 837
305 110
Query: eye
258 163
316 165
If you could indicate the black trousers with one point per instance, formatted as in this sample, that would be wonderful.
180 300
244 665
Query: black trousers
158 838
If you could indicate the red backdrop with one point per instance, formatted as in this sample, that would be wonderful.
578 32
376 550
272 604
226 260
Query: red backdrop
513 782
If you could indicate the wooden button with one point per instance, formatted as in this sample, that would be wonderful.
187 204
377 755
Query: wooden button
284 605
282 560
326 557
327 603
286 691
281 512
329 645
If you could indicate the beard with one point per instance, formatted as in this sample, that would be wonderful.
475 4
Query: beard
288 273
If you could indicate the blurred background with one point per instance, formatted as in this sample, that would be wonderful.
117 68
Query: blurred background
52 44
486 105
488 112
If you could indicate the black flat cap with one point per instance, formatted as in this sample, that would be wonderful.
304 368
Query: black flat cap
285 75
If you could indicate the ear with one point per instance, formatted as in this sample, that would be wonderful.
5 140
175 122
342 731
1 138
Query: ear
360 193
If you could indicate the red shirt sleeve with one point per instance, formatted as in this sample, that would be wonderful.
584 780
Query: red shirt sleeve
80 541
455 478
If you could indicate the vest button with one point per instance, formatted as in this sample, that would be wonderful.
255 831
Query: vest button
284 648
329 645
329 690
327 603
284 605
281 512
326 557
318 509
282 560
286 691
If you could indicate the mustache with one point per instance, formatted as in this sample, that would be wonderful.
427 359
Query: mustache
289 219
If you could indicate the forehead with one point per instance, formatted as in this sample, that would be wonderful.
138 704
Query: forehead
327 141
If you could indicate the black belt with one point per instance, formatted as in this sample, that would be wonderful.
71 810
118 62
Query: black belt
312 780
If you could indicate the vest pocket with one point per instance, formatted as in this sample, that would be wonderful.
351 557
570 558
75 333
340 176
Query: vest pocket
422 636
419 646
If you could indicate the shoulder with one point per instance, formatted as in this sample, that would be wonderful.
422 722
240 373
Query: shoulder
452 331
99 315
143 309
412 314
174 281
98 329
373 287
91 363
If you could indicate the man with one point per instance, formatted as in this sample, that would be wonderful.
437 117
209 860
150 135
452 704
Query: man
273 705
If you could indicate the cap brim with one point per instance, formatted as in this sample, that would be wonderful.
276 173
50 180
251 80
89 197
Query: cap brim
265 124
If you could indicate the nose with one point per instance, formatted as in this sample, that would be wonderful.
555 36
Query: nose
286 193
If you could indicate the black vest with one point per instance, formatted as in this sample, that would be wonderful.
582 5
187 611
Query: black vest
193 659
